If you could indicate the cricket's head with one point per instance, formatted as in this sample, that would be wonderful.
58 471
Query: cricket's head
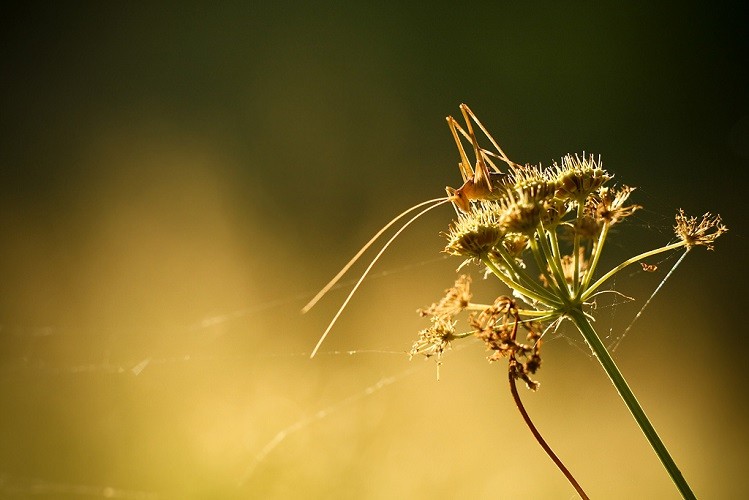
470 190
459 198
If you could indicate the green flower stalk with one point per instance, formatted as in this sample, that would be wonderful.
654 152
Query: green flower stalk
543 236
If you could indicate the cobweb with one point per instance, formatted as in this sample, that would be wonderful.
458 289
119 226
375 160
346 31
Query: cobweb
32 355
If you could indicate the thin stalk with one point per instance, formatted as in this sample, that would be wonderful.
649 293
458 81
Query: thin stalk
607 362
521 275
533 313
554 246
595 255
542 441
539 257
576 250
589 290
463 335
554 261
515 286
508 262
554 243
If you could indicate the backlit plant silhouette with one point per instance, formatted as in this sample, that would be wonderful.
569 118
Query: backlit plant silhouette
541 232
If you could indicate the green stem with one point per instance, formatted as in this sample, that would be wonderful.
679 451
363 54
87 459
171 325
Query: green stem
544 269
556 253
589 290
595 255
533 313
576 250
554 243
521 277
515 286
582 323
555 261
463 335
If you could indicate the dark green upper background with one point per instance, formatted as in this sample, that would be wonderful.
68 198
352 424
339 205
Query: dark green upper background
322 106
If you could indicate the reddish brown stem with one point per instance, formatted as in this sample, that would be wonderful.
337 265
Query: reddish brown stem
541 441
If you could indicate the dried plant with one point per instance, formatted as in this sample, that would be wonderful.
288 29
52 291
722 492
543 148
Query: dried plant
541 232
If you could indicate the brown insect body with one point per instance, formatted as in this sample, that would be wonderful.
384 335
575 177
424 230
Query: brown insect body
479 182
473 191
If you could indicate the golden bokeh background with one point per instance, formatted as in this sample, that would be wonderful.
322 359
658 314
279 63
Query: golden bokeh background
178 178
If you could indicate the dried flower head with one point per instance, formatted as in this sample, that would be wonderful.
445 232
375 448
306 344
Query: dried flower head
435 340
455 299
554 211
609 204
522 216
702 233
475 233
497 326
515 244
579 177
534 184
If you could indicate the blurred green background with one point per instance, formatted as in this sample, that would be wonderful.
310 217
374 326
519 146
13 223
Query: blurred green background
177 178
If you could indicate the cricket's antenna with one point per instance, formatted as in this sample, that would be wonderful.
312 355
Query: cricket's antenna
434 203
363 249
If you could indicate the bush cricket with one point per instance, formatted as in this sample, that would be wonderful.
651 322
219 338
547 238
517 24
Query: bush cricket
483 181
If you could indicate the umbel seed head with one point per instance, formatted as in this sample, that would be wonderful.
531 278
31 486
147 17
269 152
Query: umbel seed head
702 233
608 204
475 233
522 217
579 177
